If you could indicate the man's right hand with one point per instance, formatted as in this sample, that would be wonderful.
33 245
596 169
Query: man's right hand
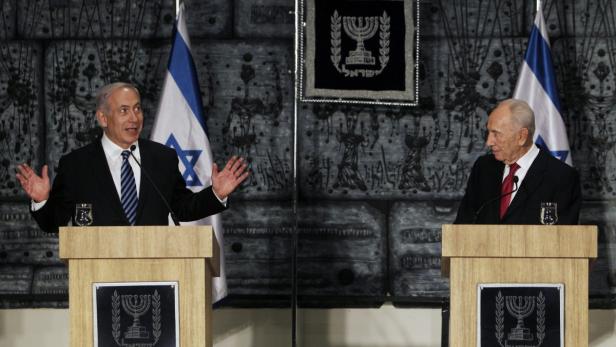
37 187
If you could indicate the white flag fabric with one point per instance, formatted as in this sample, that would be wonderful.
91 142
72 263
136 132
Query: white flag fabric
180 124
537 86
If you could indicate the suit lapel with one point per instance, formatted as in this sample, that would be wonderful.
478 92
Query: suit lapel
495 190
144 191
531 183
100 169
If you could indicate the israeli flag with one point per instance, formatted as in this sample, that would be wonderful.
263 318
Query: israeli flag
180 124
537 86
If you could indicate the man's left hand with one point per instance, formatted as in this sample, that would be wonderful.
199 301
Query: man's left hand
230 177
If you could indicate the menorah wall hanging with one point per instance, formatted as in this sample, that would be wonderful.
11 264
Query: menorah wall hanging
354 51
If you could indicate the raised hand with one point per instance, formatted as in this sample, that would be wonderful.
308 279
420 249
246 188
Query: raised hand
232 175
37 187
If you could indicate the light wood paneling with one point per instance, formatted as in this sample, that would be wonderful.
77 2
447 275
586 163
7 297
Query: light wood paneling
467 273
528 241
190 268
477 254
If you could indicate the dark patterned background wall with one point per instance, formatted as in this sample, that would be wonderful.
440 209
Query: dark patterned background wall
375 183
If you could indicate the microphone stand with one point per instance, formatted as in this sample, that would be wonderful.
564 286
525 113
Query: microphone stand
515 185
162 197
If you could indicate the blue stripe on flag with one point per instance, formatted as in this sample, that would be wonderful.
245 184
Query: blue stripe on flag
182 69
561 155
539 59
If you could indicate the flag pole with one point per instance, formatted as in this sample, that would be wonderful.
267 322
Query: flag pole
538 5
177 8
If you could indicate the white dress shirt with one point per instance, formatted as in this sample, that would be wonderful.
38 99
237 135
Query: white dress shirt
113 153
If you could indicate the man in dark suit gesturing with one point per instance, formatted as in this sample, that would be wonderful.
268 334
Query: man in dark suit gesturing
106 176
509 185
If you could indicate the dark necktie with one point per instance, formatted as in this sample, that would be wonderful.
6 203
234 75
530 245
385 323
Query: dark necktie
129 190
507 187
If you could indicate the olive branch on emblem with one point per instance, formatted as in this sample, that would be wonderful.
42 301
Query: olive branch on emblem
156 316
500 318
384 36
336 39
115 317
540 318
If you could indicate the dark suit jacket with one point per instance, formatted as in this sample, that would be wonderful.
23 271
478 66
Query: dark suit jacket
547 180
84 177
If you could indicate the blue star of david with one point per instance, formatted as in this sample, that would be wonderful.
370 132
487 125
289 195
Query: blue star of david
189 159
561 155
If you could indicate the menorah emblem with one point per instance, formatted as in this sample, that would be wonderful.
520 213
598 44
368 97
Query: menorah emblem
136 306
520 307
360 29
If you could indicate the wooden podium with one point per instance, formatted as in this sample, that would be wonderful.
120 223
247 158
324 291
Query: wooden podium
474 254
188 255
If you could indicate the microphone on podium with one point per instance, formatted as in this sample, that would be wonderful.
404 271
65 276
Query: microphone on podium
515 188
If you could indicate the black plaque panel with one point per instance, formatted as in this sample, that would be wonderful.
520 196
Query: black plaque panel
521 315
358 51
136 314
326 76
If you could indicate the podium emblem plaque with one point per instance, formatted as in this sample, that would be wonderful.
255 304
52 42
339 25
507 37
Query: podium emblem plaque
136 314
520 315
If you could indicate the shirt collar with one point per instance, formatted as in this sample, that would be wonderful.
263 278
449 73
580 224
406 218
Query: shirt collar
527 159
111 149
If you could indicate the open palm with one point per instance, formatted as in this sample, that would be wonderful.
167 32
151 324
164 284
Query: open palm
225 181
37 187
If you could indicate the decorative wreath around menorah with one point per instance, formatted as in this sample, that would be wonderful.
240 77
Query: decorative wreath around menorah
360 52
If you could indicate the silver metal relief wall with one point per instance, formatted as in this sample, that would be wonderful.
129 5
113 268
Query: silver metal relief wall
375 182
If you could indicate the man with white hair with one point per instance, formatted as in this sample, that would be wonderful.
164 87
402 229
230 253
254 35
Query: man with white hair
509 185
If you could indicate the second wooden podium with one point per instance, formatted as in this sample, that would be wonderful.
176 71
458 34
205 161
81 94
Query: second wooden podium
183 258
498 258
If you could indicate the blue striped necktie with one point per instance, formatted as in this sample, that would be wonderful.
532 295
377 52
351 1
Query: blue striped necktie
129 190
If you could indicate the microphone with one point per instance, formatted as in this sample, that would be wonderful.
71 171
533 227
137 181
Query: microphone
162 197
515 188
